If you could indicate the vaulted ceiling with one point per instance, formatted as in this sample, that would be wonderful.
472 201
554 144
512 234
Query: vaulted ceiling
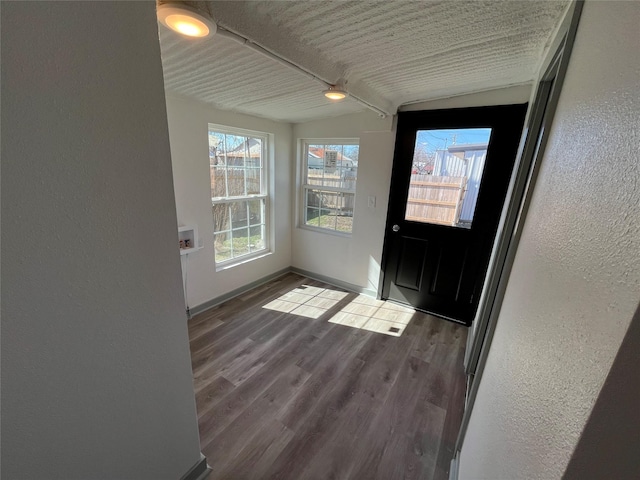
389 53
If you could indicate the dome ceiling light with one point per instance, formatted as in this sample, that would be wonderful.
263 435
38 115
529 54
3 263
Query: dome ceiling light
185 20
335 93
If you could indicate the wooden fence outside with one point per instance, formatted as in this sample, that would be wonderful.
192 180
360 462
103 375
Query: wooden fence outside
435 199
332 200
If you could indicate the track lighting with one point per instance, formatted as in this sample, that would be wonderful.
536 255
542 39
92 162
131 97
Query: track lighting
191 22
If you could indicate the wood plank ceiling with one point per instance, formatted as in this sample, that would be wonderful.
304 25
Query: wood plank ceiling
389 52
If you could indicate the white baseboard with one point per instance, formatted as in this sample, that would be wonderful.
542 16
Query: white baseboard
335 282
238 291
245 288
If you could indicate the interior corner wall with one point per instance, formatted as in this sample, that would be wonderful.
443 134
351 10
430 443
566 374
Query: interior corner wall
575 281
354 259
96 373
188 134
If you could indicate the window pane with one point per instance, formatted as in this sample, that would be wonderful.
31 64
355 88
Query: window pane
240 242
239 214
346 203
315 159
220 217
344 224
312 217
218 182
255 211
235 181
222 246
329 199
314 198
257 234
253 178
446 174
328 218
315 177
216 148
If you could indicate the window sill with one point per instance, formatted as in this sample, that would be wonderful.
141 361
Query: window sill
335 233
227 264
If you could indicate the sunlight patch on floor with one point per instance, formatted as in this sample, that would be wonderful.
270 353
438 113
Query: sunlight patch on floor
361 312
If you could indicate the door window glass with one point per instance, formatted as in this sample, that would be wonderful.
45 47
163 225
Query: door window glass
445 176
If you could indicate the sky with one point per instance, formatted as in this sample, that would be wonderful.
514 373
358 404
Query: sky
433 140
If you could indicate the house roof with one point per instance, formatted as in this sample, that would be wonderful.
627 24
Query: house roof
318 152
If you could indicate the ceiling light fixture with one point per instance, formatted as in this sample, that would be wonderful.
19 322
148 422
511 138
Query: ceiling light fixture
185 20
335 93
194 23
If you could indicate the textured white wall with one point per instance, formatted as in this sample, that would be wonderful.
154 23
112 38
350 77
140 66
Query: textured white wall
354 259
96 375
575 282
188 133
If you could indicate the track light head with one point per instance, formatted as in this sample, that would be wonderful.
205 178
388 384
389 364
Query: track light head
335 93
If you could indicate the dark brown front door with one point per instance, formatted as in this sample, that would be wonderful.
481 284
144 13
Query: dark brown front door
451 171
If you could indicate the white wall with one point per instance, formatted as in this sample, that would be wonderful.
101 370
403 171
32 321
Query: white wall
575 282
356 259
96 375
188 133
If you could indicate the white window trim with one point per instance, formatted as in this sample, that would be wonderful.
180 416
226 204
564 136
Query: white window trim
266 186
302 187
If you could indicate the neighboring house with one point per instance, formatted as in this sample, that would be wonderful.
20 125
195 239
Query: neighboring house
319 158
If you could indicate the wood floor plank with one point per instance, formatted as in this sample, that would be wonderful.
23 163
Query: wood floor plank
422 453
454 412
286 395
324 385
218 362
231 405
380 458
280 336
256 455
210 394
204 327
383 356
321 417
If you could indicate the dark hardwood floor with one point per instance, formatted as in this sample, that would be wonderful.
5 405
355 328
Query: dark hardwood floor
288 396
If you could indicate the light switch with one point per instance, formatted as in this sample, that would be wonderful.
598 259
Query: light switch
371 201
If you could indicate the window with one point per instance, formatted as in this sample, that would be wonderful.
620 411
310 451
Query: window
239 194
329 171
445 175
